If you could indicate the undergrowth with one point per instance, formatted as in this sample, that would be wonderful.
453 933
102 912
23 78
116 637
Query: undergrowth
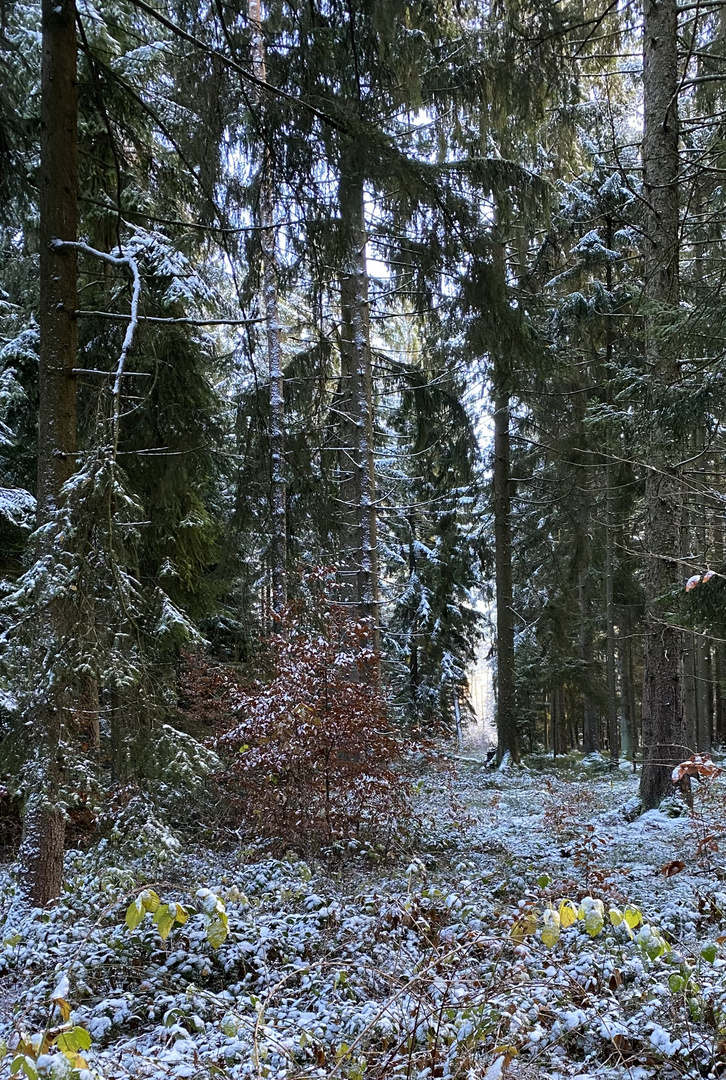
524 941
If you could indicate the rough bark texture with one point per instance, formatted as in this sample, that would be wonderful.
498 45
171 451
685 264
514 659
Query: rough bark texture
507 740
663 709
278 546
41 852
359 485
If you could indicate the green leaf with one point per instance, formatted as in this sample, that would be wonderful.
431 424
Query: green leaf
544 880
74 1040
709 952
230 1026
217 930
550 932
593 913
676 983
135 913
651 942
22 1061
164 921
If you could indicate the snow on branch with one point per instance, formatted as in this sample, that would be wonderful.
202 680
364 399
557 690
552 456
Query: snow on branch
115 260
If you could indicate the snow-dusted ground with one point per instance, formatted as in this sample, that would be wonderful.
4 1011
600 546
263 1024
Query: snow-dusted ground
405 967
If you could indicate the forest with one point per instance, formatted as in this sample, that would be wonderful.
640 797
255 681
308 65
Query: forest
353 352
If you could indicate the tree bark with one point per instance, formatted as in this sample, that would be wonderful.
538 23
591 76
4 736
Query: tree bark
359 485
507 736
628 732
41 853
413 647
268 240
663 709
610 664
591 714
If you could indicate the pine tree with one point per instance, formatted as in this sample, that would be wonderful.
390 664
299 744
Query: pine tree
664 736
42 849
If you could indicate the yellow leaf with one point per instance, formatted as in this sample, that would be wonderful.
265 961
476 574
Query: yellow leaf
135 913
568 913
616 916
150 900
180 913
524 927
550 933
632 916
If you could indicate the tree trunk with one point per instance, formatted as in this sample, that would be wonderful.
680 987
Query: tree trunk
591 715
413 647
610 668
690 701
719 711
359 486
507 739
663 711
268 240
41 853
628 732
719 666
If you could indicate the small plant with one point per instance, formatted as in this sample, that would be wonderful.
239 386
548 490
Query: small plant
166 916
561 914
314 756
57 1051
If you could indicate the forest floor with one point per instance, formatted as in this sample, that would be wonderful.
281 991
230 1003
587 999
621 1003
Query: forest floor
427 962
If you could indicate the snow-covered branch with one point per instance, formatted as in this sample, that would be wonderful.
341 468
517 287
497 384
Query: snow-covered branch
115 260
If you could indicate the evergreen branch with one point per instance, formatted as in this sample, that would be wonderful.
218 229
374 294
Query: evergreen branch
261 84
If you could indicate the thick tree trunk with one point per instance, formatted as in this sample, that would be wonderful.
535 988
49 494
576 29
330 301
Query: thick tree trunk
507 738
41 854
278 546
359 486
663 712
719 663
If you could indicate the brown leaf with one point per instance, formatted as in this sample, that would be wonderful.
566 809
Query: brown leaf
614 982
623 1045
675 866
699 765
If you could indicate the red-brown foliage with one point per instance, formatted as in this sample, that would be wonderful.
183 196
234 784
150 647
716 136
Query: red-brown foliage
314 758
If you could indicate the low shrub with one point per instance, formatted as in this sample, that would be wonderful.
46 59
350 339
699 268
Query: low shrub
314 756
